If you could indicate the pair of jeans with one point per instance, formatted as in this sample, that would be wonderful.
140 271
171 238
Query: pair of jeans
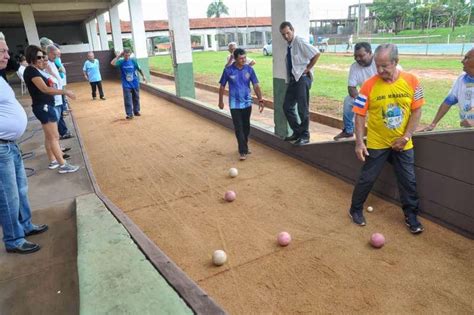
404 168
15 212
131 99
348 114
298 94
62 127
241 120
94 86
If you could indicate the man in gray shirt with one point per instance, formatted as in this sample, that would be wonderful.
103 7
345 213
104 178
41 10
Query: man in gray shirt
15 212
300 60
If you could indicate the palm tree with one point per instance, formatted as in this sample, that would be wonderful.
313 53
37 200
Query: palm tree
217 8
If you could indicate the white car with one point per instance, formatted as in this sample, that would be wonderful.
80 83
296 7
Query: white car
267 49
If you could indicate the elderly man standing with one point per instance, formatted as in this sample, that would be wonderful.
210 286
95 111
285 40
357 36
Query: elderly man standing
231 47
393 100
91 71
15 212
53 52
300 60
462 93
130 84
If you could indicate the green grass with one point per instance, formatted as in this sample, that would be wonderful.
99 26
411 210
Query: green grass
330 78
461 33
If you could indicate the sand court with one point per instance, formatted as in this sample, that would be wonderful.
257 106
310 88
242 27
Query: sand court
167 170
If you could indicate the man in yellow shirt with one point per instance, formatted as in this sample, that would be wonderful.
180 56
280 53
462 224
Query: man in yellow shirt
393 100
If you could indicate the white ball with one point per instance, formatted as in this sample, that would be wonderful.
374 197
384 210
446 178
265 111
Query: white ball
370 209
233 172
219 257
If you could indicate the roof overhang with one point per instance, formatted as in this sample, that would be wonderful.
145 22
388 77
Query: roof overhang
53 12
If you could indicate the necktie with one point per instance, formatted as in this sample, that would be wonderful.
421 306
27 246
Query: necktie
288 61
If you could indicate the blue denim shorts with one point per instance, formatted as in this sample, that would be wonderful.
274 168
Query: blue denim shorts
46 113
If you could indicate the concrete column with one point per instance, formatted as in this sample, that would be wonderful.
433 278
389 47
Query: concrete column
89 36
30 24
204 42
297 13
104 43
116 30
139 35
181 47
264 37
95 38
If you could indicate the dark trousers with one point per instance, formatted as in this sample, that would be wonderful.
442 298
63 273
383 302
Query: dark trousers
404 168
298 94
94 86
62 128
241 120
131 99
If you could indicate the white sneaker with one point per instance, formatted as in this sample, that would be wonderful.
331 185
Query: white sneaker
53 165
68 168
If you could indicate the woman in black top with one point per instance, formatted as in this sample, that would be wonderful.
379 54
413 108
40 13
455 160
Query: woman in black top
42 90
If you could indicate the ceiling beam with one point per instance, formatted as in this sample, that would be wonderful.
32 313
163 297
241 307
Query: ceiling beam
49 7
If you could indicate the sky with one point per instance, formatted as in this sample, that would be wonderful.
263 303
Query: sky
320 9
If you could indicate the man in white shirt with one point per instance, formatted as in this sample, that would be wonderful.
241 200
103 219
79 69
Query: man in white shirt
52 69
360 71
300 60
15 212
462 93
232 46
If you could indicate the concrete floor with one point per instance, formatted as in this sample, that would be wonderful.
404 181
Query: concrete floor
46 282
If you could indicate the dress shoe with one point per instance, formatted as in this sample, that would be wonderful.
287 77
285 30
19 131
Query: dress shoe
25 248
37 230
292 138
301 142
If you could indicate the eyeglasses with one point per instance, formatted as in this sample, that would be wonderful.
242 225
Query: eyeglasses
41 57
3 51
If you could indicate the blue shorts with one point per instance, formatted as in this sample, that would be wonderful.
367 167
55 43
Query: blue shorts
46 114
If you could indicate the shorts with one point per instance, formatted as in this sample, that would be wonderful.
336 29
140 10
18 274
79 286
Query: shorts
46 113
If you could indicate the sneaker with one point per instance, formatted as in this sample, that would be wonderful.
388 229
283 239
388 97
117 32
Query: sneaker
357 217
243 156
65 149
94 98
129 117
53 165
66 136
138 114
413 224
103 98
66 156
68 168
342 135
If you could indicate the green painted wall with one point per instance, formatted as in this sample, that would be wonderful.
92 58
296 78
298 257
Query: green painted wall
184 80
282 128
143 63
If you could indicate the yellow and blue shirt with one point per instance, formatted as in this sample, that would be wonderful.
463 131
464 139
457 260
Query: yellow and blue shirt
389 106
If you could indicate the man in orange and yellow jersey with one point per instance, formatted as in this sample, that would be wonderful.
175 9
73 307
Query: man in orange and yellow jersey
392 100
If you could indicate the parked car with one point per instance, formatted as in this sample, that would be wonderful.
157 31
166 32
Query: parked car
267 49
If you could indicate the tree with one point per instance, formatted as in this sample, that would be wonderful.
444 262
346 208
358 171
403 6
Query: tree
217 8
393 12
458 10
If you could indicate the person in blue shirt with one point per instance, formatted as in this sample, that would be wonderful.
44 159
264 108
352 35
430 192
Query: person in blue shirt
91 71
239 75
130 84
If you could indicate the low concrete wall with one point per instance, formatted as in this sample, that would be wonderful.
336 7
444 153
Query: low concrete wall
313 116
74 62
443 160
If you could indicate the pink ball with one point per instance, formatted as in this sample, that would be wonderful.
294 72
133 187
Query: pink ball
229 196
284 238
377 240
